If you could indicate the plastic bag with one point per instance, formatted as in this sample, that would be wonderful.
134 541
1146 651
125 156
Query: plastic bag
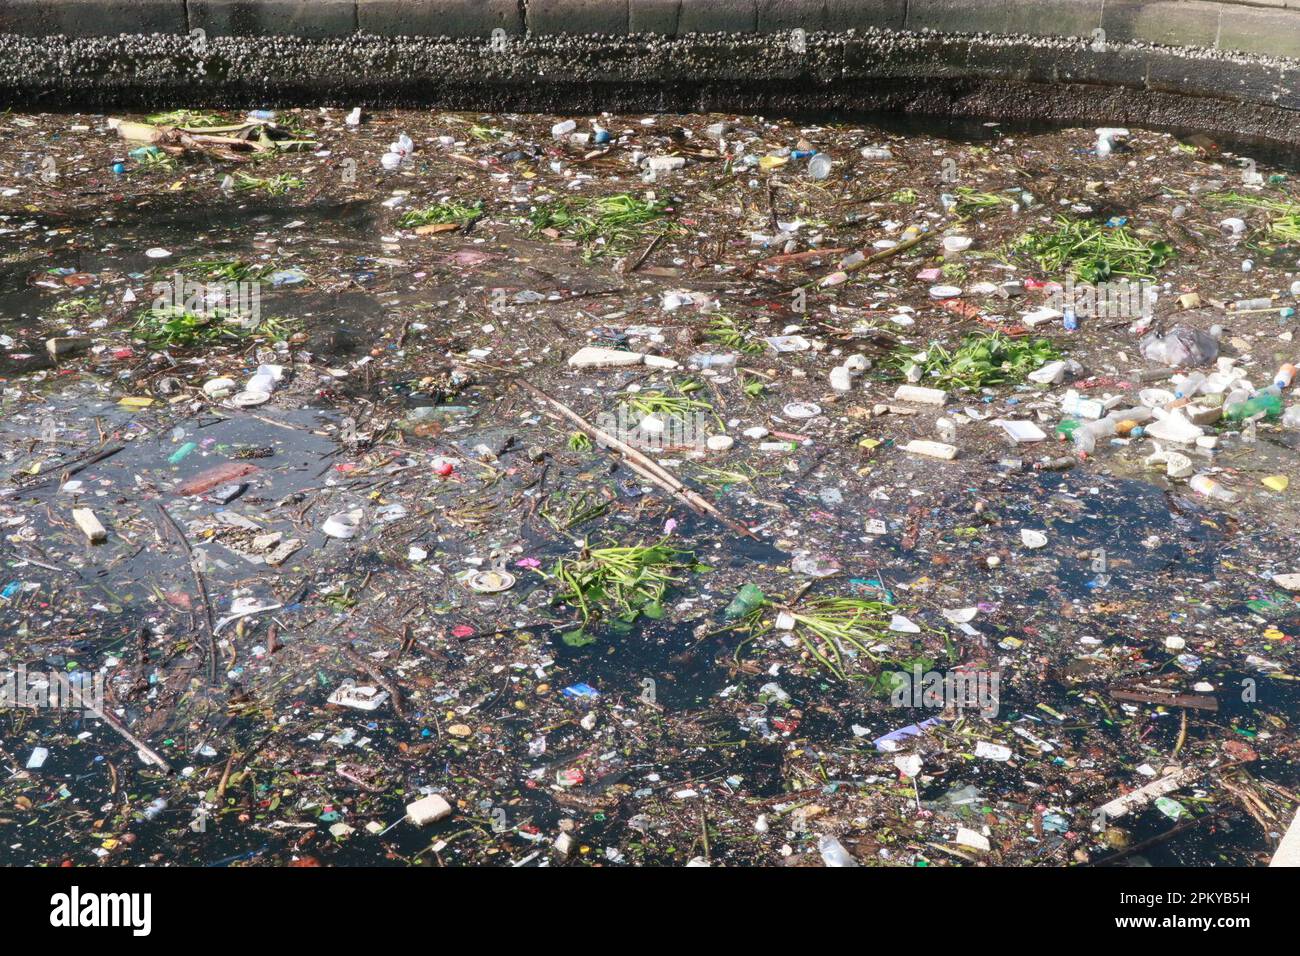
1182 346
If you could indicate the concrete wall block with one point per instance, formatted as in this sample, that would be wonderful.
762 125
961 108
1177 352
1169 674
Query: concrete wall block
653 16
451 18
709 16
89 18
1032 17
312 19
775 16
1110 67
861 14
577 16
1256 30
1174 22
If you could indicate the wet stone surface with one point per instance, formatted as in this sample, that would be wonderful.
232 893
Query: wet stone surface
383 560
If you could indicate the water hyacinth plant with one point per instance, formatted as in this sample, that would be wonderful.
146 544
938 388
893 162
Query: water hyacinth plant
1093 252
447 212
832 630
982 358
618 584
600 225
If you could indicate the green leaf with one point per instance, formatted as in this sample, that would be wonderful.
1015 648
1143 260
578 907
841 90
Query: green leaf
577 638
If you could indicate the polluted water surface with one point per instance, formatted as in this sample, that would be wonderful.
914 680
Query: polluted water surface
693 490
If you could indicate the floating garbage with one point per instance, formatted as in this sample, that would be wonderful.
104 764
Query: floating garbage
644 491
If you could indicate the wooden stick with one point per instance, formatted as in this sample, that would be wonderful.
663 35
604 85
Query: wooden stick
871 260
1182 736
225 775
646 255
203 593
1159 838
639 462
113 722
1159 695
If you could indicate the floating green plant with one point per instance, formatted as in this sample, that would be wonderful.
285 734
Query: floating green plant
618 584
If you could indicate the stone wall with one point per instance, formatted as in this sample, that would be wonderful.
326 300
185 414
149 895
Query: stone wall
1223 66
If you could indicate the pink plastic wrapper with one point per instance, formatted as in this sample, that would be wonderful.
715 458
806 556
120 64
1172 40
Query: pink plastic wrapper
214 476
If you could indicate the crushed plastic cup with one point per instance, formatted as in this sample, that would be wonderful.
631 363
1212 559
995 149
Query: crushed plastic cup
343 525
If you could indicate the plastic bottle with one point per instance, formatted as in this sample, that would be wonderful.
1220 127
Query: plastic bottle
747 600
1285 375
1205 485
1137 414
1054 464
833 852
1070 320
1248 305
1268 401
1067 427
1236 397
1190 385
1086 436
713 360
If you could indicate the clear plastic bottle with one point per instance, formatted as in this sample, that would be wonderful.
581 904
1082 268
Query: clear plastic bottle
1285 375
1190 385
1137 414
1203 484
833 852
1130 421
1087 436
713 360
1236 397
